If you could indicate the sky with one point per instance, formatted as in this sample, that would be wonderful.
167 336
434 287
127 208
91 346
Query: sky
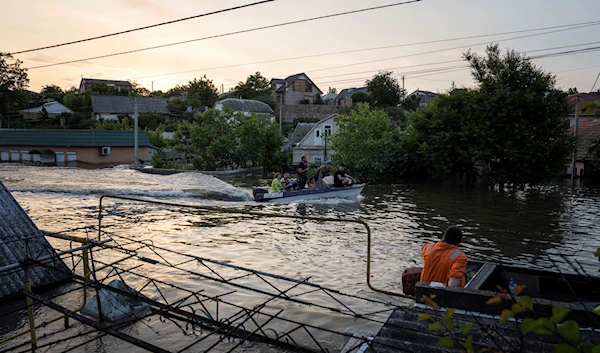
29 24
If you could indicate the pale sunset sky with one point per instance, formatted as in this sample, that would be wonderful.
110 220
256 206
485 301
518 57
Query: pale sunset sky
28 24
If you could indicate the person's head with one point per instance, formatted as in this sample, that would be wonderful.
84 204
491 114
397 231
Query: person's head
342 167
277 175
453 235
328 165
286 175
303 158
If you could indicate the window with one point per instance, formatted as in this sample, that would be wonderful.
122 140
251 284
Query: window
317 161
327 130
302 86
278 99
317 133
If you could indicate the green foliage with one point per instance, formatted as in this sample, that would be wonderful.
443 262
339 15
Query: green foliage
203 90
366 142
77 102
228 139
267 100
13 79
385 90
411 103
332 90
572 90
255 86
361 97
53 91
158 162
513 123
121 124
156 137
318 99
102 89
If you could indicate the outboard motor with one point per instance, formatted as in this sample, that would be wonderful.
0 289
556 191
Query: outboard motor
259 191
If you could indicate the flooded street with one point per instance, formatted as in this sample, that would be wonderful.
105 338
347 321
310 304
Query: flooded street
522 228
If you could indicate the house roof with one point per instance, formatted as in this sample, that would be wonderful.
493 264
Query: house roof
584 100
125 105
71 138
315 126
347 92
106 82
291 79
246 105
298 134
329 96
421 93
588 132
53 108
20 239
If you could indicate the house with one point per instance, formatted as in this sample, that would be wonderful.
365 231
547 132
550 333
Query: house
294 90
246 106
297 135
121 86
329 98
313 144
110 107
586 108
344 98
587 133
53 109
423 97
72 147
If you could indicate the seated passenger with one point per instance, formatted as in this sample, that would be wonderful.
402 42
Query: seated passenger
276 183
443 261
340 178
287 184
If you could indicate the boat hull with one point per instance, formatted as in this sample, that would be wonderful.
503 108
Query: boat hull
348 192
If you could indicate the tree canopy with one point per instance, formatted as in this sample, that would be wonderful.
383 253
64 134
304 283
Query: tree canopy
203 90
513 125
13 79
366 142
385 90
255 86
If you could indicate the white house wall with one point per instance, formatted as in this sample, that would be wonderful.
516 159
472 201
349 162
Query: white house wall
309 146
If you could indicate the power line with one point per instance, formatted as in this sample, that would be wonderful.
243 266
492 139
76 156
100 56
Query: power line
142 28
232 33
594 86
459 47
369 49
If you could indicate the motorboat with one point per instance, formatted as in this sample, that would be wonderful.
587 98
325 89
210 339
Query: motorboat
346 192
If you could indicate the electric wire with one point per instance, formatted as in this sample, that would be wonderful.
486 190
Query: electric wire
142 28
594 86
231 33
368 49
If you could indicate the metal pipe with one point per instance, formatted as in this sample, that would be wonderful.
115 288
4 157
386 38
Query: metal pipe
261 214
30 313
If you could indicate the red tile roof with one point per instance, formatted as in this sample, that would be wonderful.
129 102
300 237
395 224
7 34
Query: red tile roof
585 100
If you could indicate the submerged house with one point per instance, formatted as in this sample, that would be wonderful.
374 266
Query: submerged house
21 241
314 143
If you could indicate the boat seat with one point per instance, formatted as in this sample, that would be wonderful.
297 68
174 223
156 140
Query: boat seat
481 276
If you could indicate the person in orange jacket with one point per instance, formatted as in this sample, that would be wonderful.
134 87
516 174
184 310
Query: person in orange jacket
444 261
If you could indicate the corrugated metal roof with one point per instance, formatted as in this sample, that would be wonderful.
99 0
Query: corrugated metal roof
125 105
71 138
51 108
21 239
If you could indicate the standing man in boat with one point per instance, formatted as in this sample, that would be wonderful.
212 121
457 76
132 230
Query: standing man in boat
340 178
444 261
302 169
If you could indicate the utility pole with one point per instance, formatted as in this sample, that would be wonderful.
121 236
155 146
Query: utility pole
152 86
574 168
402 83
135 131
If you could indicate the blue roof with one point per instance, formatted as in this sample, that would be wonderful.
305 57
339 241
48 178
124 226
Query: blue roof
71 138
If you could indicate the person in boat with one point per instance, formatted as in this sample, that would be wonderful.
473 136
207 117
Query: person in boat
321 173
286 183
302 169
444 261
340 178
276 183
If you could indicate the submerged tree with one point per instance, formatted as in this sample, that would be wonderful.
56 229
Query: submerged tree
513 124
385 90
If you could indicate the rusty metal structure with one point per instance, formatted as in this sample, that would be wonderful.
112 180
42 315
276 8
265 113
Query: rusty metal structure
230 304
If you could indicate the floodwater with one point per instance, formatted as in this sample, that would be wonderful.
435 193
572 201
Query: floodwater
540 228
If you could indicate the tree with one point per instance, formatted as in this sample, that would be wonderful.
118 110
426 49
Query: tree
332 90
385 90
361 97
411 103
13 79
513 124
121 124
366 142
572 90
255 86
204 90
54 92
